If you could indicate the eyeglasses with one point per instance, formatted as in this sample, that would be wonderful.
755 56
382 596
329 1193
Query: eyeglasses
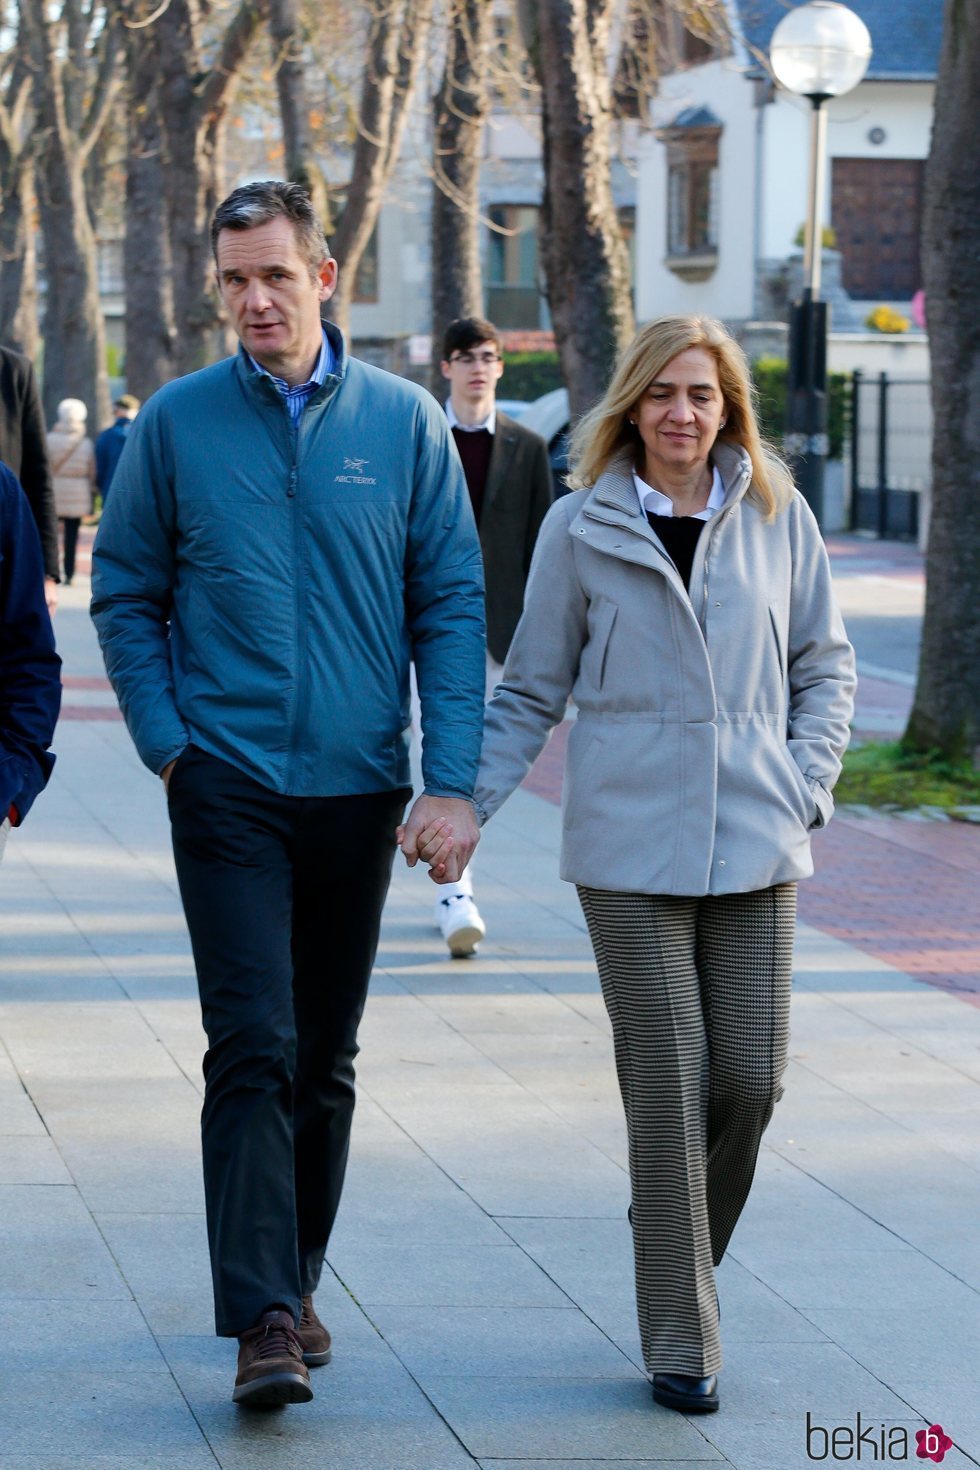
485 359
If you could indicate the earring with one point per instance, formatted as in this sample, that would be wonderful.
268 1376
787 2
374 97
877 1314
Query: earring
722 423
633 422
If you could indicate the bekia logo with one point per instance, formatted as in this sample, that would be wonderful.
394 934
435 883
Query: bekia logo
870 1442
353 474
933 1443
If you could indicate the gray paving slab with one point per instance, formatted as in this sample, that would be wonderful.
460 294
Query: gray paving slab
586 1464
106 1336
164 1262
361 1415
83 1409
52 1249
31 1161
454 1276
500 1342
564 1418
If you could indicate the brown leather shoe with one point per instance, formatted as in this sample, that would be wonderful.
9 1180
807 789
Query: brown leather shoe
271 1370
313 1336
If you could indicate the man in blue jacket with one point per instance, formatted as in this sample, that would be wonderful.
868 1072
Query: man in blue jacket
30 679
287 530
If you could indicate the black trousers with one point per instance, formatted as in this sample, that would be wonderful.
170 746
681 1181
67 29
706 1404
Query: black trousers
71 525
283 897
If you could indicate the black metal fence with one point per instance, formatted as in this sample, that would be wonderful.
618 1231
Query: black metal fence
891 448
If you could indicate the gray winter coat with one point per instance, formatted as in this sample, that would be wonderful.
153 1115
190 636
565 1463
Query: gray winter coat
710 726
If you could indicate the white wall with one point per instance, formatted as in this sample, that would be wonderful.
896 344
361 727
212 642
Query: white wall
721 86
902 109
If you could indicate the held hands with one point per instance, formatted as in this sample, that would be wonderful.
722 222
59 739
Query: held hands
441 831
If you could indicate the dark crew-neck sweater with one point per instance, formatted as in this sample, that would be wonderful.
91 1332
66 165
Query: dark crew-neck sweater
475 448
679 535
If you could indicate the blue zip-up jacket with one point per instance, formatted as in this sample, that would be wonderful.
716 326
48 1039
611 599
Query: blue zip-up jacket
260 590
30 679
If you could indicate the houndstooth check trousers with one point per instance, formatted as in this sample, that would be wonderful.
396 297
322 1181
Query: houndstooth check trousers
698 993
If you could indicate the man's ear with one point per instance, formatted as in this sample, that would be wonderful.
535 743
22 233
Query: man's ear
444 368
327 278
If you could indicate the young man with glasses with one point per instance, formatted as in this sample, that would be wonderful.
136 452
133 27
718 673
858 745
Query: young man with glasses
509 479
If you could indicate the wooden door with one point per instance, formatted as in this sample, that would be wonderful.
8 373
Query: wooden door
876 210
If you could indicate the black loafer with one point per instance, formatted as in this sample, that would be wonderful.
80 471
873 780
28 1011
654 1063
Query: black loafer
687 1395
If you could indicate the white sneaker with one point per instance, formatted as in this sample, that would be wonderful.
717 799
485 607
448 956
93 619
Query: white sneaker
460 924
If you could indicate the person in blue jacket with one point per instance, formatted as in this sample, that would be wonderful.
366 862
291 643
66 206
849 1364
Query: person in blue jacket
30 678
110 444
287 531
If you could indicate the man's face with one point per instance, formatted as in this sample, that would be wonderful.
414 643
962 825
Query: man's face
272 297
473 373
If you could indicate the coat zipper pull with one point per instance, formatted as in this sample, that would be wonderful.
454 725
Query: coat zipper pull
291 489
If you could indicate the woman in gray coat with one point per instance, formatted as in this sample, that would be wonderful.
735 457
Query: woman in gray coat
683 600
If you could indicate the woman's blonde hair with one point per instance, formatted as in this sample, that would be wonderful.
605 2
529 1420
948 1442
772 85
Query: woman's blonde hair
606 432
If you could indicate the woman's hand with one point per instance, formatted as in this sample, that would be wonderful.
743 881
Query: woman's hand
441 831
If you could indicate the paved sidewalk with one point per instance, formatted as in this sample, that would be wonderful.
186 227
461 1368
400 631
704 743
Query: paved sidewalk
481 1294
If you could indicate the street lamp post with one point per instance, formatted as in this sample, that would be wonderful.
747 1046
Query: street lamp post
819 50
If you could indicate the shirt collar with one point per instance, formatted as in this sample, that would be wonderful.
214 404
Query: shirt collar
324 365
661 505
489 423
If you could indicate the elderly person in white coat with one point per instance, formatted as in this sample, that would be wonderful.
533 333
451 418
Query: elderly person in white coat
72 457
683 599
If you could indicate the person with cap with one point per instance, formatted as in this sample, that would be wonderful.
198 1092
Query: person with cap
112 441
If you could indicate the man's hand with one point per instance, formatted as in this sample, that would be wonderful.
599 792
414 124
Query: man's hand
443 832
51 595
166 773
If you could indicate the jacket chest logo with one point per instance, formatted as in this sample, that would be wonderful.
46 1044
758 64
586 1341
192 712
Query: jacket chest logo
353 473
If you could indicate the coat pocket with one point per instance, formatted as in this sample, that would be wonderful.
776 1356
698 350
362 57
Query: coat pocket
809 811
601 620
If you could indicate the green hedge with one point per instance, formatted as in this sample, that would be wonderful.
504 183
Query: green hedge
528 375
769 374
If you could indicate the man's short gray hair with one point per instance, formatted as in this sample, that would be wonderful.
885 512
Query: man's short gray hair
257 204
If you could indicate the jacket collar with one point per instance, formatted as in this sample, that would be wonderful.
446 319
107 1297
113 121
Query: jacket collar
615 490
261 384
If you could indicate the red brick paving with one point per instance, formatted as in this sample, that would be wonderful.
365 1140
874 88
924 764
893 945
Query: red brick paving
904 891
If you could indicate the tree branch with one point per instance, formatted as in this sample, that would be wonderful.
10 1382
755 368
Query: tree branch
108 81
234 48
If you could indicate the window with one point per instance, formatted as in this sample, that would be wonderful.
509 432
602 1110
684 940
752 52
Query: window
692 193
513 296
109 267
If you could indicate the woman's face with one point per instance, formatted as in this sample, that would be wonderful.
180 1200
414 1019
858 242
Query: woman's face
679 415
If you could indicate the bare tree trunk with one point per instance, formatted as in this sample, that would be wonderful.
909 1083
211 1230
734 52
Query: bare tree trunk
586 265
18 258
294 106
399 29
18 265
194 103
946 712
150 332
459 113
74 340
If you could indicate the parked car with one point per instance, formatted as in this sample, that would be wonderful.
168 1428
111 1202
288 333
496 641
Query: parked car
548 416
516 407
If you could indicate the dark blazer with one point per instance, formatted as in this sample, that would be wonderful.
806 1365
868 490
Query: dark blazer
30 681
23 448
517 498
